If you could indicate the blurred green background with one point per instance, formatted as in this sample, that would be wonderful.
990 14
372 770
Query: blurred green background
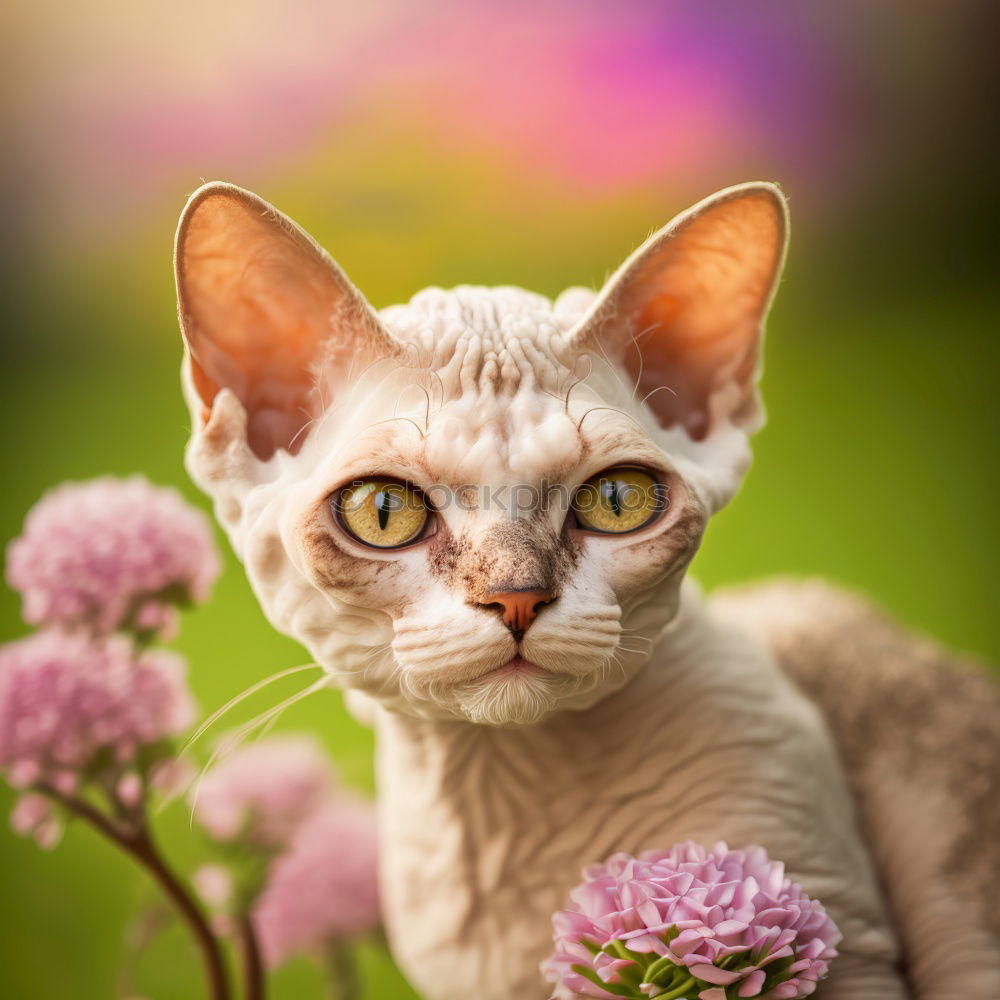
523 143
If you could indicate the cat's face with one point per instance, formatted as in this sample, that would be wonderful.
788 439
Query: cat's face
480 504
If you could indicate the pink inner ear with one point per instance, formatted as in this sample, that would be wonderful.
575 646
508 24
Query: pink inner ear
262 307
693 303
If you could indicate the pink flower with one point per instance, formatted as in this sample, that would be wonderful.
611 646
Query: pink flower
172 776
720 922
112 553
71 703
324 888
34 816
264 791
214 884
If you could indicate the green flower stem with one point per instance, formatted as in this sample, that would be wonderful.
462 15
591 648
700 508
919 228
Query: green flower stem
254 980
678 991
342 968
137 842
659 967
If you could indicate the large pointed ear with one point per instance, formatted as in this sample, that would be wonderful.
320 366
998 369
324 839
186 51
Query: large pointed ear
265 313
684 313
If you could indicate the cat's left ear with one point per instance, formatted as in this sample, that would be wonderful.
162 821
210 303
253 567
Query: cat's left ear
684 314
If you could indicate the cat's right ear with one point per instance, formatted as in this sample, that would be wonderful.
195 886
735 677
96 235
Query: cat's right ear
267 315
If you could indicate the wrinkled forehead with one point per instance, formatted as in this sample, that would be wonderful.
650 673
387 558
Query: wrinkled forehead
406 423
487 340
518 438
408 427
490 390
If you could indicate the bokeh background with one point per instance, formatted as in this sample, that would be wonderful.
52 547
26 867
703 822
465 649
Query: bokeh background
532 143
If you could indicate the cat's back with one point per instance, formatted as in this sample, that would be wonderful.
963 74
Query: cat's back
918 728
881 686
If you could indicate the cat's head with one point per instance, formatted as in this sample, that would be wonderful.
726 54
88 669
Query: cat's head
480 504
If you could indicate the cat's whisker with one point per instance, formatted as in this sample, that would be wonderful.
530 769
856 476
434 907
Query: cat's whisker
629 649
602 350
579 381
551 395
613 409
621 669
294 699
311 422
353 377
635 338
232 742
412 352
268 726
242 696
365 662
440 383
613 661
356 382
320 388
427 407
427 410
638 374
637 636
409 420
652 392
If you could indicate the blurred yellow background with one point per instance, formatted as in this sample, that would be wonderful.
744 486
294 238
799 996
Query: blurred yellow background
524 143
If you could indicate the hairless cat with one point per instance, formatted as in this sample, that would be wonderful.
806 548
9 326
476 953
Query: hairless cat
476 511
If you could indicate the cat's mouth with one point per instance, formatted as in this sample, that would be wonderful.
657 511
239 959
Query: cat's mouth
517 665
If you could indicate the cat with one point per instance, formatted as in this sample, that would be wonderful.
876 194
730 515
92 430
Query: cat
476 511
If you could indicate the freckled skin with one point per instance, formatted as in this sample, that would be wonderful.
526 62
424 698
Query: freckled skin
656 717
512 555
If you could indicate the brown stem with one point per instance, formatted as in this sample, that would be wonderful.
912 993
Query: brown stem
138 843
253 966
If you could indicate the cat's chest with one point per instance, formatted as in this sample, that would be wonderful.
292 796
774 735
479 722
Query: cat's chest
485 831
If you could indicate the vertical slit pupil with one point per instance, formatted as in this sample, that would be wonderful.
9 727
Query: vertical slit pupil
383 507
611 493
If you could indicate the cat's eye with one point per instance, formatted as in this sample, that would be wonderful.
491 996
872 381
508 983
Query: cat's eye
619 500
383 513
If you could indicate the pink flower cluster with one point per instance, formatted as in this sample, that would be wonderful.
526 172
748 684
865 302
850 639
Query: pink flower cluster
100 565
279 797
69 702
324 888
112 553
264 791
717 924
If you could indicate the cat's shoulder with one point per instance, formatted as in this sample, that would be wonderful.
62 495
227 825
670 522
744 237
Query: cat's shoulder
877 681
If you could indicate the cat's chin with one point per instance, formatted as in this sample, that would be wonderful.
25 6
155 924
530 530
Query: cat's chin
519 693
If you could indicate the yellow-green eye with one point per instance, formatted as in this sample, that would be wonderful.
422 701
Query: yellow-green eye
619 500
382 513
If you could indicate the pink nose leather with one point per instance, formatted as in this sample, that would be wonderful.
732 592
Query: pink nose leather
520 606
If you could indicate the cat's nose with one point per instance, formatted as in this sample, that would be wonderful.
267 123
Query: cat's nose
519 607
